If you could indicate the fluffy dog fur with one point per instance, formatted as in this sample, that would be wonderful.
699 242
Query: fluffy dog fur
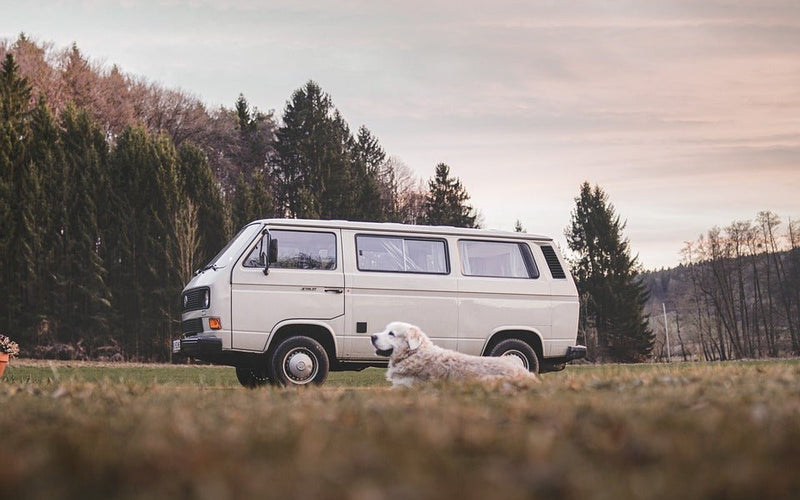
414 358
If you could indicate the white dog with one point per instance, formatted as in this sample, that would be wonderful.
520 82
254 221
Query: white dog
414 358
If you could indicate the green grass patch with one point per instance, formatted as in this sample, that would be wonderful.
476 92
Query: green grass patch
49 372
727 430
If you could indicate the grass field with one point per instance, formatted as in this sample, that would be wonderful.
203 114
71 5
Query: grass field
684 431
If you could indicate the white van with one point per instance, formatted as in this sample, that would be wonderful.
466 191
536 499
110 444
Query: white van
288 300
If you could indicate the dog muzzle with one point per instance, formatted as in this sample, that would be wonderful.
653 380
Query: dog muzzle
381 352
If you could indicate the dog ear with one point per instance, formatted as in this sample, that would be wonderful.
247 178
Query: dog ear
414 337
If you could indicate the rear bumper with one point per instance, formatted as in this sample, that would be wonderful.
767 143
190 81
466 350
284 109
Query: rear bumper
575 352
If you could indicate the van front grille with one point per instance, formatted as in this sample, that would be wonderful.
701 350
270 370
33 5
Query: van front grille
552 262
192 326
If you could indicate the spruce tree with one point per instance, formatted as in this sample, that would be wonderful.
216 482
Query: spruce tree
368 160
46 151
18 192
252 196
606 275
313 165
446 201
242 204
198 185
86 296
144 180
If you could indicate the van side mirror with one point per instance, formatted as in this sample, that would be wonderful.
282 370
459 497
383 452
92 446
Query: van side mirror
273 250
272 254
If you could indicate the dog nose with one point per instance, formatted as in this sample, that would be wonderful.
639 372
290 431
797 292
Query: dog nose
374 338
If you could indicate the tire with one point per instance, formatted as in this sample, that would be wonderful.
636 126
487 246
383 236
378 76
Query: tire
252 377
299 361
520 349
544 367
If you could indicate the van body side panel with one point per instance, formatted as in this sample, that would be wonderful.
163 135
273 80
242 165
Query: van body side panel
566 309
375 299
488 305
260 302
484 308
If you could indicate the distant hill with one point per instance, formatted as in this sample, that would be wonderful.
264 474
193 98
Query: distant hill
728 307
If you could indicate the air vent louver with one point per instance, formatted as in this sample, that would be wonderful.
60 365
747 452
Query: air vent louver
552 262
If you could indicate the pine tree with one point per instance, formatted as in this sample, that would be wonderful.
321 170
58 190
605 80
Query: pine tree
144 180
18 192
198 186
242 205
313 165
606 276
252 196
46 152
446 201
368 160
256 137
86 297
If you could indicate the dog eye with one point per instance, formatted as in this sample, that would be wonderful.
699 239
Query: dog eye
391 334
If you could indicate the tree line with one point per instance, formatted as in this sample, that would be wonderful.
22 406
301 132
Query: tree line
113 190
736 294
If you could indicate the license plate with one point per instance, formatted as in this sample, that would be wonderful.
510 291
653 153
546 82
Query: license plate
176 345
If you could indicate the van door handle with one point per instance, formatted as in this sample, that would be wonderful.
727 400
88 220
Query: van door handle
334 290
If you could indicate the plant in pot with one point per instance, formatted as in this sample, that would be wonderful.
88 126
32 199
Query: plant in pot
8 349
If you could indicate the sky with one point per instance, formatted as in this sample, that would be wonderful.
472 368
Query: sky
685 112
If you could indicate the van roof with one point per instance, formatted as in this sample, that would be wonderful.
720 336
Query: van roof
405 228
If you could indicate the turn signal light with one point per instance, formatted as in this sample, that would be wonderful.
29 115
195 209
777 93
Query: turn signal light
214 323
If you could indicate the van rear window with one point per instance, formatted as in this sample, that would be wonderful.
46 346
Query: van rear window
496 259
401 255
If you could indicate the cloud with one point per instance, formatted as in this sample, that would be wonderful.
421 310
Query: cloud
686 112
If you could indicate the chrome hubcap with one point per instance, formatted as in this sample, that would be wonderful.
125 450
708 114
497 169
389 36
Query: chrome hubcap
520 356
299 366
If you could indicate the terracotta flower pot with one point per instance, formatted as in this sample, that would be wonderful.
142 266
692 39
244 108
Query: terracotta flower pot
3 362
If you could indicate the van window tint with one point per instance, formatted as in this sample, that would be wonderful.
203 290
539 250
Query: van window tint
401 255
496 259
298 250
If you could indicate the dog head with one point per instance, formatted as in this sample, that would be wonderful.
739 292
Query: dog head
398 338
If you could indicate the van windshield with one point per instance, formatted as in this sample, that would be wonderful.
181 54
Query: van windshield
234 247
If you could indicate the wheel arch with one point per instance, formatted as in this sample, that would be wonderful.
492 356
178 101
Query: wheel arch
530 337
317 331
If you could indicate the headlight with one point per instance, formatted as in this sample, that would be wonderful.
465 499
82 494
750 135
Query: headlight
206 299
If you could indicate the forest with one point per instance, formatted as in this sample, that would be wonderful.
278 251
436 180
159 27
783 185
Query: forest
113 190
736 294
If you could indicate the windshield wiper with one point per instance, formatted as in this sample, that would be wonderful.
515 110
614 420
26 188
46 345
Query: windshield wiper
206 268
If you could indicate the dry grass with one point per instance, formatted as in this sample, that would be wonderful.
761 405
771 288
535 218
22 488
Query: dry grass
616 432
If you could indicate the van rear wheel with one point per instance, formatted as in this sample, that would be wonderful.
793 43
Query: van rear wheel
251 377
518 349
299 361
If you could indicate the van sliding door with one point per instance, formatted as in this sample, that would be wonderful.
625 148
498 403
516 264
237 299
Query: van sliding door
397 278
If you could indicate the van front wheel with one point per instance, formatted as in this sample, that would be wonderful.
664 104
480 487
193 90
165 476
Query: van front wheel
519 349
252 377
299 361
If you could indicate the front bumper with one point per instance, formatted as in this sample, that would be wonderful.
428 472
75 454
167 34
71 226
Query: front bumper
197 346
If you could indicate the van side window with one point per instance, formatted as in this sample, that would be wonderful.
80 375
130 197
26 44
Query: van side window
299 250
497 259
401 255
